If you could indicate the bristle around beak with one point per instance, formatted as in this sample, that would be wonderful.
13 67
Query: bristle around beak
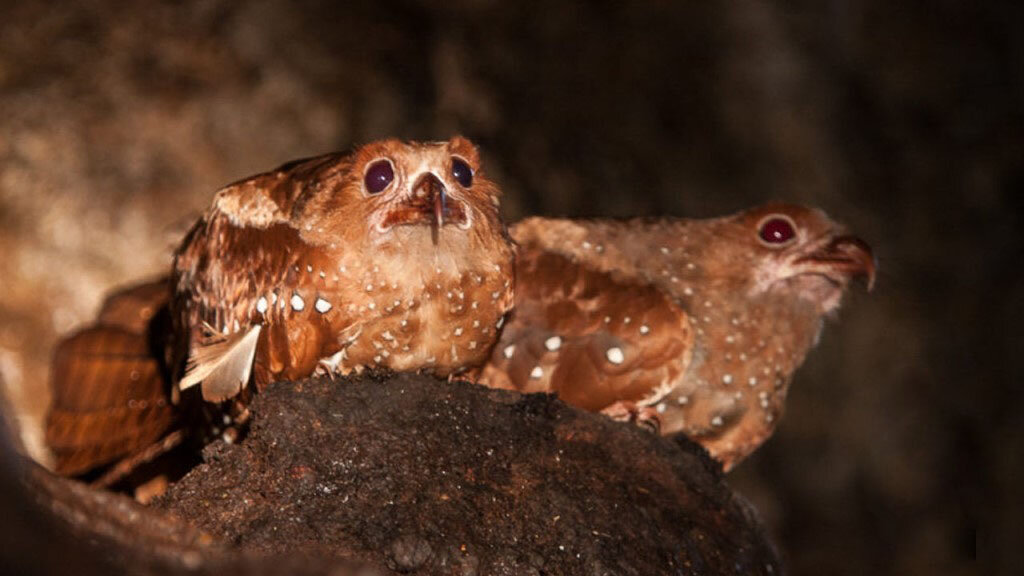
844 255
429 190
440 205
427 204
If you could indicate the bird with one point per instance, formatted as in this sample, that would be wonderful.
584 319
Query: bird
391 257
692 327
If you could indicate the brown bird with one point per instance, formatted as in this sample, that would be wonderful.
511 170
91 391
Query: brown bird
695 326
392 257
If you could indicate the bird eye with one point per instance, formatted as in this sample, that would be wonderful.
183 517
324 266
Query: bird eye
378 176
777 230
462 173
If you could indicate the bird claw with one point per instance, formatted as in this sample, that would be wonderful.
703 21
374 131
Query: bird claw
645 417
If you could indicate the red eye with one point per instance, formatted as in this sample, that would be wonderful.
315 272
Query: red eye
378 176
777 230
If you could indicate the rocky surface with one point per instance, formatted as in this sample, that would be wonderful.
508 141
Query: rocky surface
428 477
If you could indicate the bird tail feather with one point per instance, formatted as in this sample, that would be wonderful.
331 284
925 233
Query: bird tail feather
110 394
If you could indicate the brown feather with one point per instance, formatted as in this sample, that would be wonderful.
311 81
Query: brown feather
755 303
223 366
109 399
558 339
134 308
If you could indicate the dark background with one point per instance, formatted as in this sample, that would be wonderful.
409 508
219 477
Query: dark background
901 448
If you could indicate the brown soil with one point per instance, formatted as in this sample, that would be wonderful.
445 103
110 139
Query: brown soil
429 477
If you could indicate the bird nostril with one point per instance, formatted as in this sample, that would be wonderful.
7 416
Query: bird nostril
427 185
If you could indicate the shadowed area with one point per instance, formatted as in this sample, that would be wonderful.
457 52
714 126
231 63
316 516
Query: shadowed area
426 476
406 474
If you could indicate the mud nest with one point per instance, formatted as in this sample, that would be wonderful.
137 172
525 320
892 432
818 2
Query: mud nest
413 475
438 478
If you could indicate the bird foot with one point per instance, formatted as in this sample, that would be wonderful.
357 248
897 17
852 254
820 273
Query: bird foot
645 417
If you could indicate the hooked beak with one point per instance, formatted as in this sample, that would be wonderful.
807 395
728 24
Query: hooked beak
440 205
427 203
845 256
430 191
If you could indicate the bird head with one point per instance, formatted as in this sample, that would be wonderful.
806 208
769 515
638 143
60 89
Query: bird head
792 249
412 191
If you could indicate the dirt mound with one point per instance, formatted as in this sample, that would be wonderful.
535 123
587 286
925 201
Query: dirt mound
417 475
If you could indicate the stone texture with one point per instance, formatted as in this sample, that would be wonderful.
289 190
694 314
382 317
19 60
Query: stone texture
432 477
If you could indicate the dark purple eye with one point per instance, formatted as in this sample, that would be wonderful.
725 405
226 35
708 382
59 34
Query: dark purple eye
462 173
777 230
378 176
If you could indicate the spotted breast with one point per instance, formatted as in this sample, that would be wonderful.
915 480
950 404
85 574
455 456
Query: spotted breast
693 326
391 257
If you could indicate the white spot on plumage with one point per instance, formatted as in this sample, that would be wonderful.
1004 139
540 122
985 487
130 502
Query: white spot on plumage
298 304
752 381
645 329
322 306
615 355
716 421
261 305
727 379
509 351
536 373
458 331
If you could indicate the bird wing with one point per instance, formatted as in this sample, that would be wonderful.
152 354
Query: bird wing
134 308
222 365
233 277
110 393
592 338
